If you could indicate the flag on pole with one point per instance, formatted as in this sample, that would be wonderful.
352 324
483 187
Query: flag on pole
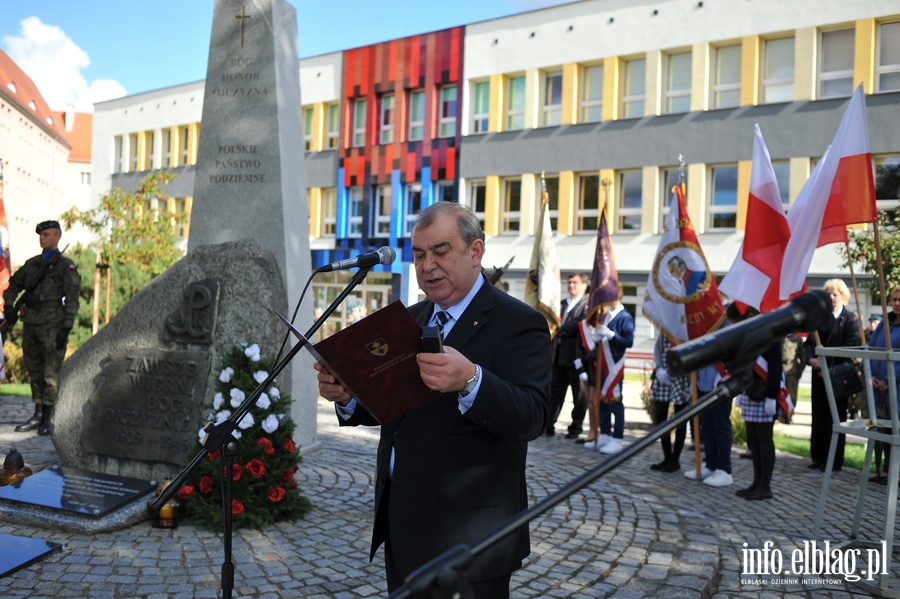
755 274
604 278
542 287
840 192
5 265
682 297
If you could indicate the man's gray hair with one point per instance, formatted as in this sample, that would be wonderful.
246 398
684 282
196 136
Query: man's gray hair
466 222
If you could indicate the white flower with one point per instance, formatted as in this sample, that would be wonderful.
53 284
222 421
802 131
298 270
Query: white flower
263 402
201 434
226 374
252 352
260 375
236 434
270 424
223 416
274 392
246 422
237 397
218 400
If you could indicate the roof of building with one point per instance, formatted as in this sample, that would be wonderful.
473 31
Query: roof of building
77 126
21 90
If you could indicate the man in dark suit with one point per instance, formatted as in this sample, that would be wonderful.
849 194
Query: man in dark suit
453 470
565 350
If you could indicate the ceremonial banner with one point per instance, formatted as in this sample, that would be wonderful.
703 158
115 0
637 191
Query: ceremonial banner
542 286
604 278
682 298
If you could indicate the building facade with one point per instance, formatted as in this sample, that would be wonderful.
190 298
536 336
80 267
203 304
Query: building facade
609 101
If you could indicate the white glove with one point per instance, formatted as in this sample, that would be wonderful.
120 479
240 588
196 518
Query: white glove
583 377
770 407
663 376
578 363
603 331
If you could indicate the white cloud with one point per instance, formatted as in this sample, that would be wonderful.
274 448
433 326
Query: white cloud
55 64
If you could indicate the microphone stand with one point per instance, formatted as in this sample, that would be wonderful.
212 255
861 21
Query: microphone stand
443 576
220 436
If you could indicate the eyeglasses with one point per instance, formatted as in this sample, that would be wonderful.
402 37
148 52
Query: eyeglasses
895 299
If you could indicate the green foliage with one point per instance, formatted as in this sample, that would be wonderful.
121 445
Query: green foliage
738 427
862 249
264 489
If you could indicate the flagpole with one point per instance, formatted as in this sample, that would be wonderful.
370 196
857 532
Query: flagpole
878 263
862 327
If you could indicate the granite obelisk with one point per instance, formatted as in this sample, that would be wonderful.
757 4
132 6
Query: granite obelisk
250 167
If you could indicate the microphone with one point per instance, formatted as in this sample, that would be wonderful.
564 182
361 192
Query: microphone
383 255
746 340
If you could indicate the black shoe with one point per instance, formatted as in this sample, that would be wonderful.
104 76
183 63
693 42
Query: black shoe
744 492
572 435
583 440
757 494
672 466
34 422
822 468
549 432
815 466
44 429
659 465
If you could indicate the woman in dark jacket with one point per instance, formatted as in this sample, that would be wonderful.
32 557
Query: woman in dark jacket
842 331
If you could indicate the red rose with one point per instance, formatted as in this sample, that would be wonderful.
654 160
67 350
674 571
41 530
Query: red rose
266 445
215 455
237 508
289 446
236 472
276 494
288 476
185 492
206 484
256 468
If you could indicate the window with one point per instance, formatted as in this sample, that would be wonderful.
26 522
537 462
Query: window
167 148
118 156
727 77
628 204
723 197
552 108
591 94
151 150
133 152
386 119
477 199
334 125
551 184
307 128
359 123
633 86
181 210
587 211
836 64
85 178
329 211
678 83
887 178
512 205
482 107
448 111
355 212
515 103
670 177
778 71
782 170
413 205
382 210
887 63
416 115
185 146
443 191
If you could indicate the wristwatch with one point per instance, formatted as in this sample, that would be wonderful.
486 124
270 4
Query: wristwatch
470 384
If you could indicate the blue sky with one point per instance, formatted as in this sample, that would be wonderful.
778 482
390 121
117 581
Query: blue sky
81 51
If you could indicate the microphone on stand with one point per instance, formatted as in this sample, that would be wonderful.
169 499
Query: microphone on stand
383 255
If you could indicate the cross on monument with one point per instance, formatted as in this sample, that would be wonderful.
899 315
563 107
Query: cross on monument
241 18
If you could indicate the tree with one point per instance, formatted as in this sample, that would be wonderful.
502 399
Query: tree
135 234
862 249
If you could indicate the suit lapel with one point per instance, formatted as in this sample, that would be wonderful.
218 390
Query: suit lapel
473 318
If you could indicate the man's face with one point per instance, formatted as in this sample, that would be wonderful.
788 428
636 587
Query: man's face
49 238
446 268
576 286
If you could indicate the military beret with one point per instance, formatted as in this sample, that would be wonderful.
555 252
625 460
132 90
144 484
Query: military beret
47 224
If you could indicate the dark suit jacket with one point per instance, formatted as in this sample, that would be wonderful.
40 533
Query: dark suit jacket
842 331
459 476
566 342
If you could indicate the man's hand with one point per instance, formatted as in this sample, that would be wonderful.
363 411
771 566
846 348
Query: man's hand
329 388
10 317
445 372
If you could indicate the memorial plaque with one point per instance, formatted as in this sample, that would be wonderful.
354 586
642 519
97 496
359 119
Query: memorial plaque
78 491
145 405
18 552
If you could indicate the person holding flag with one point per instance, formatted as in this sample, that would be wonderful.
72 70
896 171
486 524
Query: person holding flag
615 335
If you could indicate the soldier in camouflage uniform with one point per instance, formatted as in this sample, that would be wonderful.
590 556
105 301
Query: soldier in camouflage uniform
49 285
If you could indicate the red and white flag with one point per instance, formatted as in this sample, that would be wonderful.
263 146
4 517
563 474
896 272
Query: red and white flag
840 192
682 297
754 277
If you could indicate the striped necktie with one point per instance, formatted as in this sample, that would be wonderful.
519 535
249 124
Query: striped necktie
442 319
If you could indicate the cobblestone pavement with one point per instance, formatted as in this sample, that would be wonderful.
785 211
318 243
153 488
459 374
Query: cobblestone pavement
634 533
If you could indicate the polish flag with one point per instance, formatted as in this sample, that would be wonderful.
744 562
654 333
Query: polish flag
755 275
840 192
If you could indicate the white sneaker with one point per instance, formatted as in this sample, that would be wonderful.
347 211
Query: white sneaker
718 478
614 446
602 440
691 472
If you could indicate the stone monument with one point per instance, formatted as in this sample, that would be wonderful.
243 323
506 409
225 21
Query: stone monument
250 170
